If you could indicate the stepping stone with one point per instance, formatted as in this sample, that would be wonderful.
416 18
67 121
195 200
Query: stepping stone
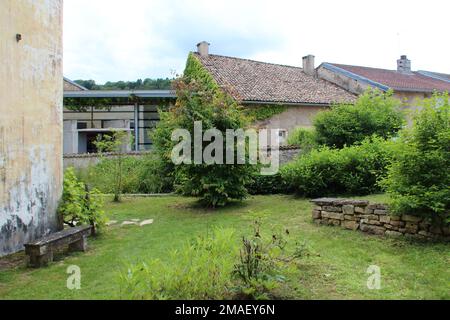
110 223
146 222
127 223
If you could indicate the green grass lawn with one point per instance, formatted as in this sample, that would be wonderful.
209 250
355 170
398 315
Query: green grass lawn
335 269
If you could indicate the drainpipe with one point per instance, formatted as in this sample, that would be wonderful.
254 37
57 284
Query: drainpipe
136 127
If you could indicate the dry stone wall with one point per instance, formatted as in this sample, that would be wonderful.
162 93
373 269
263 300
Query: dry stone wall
373 218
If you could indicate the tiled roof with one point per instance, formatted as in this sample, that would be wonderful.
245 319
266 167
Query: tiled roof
254 81
414 81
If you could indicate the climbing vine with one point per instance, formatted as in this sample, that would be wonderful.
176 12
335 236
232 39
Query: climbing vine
196 71
264 112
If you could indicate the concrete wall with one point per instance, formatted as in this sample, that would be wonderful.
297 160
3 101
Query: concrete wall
347 83
30 120
293 117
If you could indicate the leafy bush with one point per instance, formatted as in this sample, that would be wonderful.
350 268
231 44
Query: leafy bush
373 113
261 184
419 177
79 205
305 138
146 174
353 170
200 270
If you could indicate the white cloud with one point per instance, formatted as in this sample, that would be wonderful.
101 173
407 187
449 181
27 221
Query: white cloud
126 40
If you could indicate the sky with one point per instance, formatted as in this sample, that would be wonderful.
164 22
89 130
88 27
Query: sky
112 40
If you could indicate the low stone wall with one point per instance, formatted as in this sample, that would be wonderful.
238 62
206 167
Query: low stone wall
373 218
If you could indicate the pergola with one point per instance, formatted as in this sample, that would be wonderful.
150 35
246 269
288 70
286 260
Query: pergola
93 100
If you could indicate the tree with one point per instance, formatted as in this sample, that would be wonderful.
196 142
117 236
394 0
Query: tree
200 99
374 112
114 143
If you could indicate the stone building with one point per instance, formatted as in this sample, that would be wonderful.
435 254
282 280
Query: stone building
255 83
408 85
30 120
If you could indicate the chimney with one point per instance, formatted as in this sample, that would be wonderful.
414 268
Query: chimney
308 65
404 64
203 48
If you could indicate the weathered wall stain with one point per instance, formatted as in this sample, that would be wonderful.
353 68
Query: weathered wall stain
30 120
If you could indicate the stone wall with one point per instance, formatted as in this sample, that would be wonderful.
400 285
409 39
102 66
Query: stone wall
373 218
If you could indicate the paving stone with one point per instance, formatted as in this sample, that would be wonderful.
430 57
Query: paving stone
146 222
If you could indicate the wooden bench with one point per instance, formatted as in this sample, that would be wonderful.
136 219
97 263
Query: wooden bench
41 251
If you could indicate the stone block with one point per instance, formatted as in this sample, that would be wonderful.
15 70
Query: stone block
332 208
360 209
391 233
351 225
349 217
334 222
385 219
374 222
395 217
333 215
411 227
425 234
397 223
348 209
380 212
390 227
316 214
372 229
409 218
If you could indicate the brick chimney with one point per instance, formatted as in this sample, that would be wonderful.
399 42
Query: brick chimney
308 65
404 64
203 48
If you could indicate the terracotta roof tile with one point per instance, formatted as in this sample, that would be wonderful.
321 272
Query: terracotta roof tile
254 81
396 80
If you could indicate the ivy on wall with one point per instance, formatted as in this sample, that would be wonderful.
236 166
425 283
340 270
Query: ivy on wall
264 112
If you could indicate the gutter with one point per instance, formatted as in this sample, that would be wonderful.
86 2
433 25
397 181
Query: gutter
319 104
432 75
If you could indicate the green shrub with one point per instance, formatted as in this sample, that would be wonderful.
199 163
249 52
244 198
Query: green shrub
199 270
419 177
262 184
305 138
373 113
79 205
351 170
146 174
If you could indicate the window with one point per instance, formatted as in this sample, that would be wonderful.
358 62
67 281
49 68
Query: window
81 125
